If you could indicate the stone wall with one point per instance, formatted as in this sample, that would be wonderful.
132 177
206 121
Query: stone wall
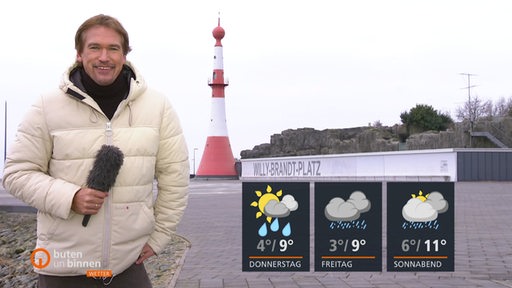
308 141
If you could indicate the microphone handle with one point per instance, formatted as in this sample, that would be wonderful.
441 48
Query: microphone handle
86 220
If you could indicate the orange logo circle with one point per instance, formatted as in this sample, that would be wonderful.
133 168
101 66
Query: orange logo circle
40 264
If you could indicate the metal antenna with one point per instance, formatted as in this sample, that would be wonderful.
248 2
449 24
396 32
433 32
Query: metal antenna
469 84
470 106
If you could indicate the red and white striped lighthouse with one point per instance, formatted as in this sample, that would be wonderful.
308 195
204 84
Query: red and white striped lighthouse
217 160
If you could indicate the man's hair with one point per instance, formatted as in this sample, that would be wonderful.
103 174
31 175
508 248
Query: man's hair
105 21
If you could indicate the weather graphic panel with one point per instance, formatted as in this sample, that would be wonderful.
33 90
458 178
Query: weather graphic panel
420 226
348 226
275 226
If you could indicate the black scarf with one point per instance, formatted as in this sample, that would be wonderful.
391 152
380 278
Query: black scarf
108 97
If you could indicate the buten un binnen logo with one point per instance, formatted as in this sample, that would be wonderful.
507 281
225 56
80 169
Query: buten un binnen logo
40 258
39 264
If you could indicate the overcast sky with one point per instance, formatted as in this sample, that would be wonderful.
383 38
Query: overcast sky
290 64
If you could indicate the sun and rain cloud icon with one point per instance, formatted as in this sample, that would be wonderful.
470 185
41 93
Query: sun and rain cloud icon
271 206
421 211
346 213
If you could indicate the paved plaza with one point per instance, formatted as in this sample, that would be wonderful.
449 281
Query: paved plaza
213 224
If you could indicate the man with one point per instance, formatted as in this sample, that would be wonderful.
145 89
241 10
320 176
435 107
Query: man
103 99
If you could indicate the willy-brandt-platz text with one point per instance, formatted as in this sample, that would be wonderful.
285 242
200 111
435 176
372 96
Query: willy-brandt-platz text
287 168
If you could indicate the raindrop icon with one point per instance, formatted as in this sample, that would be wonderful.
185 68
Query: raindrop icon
275 225
263 230
287 230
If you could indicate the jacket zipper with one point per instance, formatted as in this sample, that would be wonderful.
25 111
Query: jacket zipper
108 132
107 227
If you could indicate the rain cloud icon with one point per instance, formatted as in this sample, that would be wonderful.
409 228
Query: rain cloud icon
341 210
424 208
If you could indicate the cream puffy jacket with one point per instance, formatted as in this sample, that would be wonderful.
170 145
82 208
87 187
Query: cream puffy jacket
53 153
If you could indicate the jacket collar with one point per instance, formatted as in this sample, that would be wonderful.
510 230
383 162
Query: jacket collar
72 83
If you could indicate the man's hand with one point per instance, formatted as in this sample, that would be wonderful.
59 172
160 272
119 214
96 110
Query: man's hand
88 201
146 252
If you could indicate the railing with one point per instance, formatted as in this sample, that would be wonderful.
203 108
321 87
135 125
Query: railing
501 135
489 136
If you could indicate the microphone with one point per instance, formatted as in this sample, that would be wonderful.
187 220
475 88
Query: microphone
104 171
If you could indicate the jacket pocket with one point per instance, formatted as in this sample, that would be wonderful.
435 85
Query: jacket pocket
51 228
131 221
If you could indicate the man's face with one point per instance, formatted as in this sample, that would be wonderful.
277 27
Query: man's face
102 56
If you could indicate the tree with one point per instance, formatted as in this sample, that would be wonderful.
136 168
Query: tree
474 109
500 107
423 118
